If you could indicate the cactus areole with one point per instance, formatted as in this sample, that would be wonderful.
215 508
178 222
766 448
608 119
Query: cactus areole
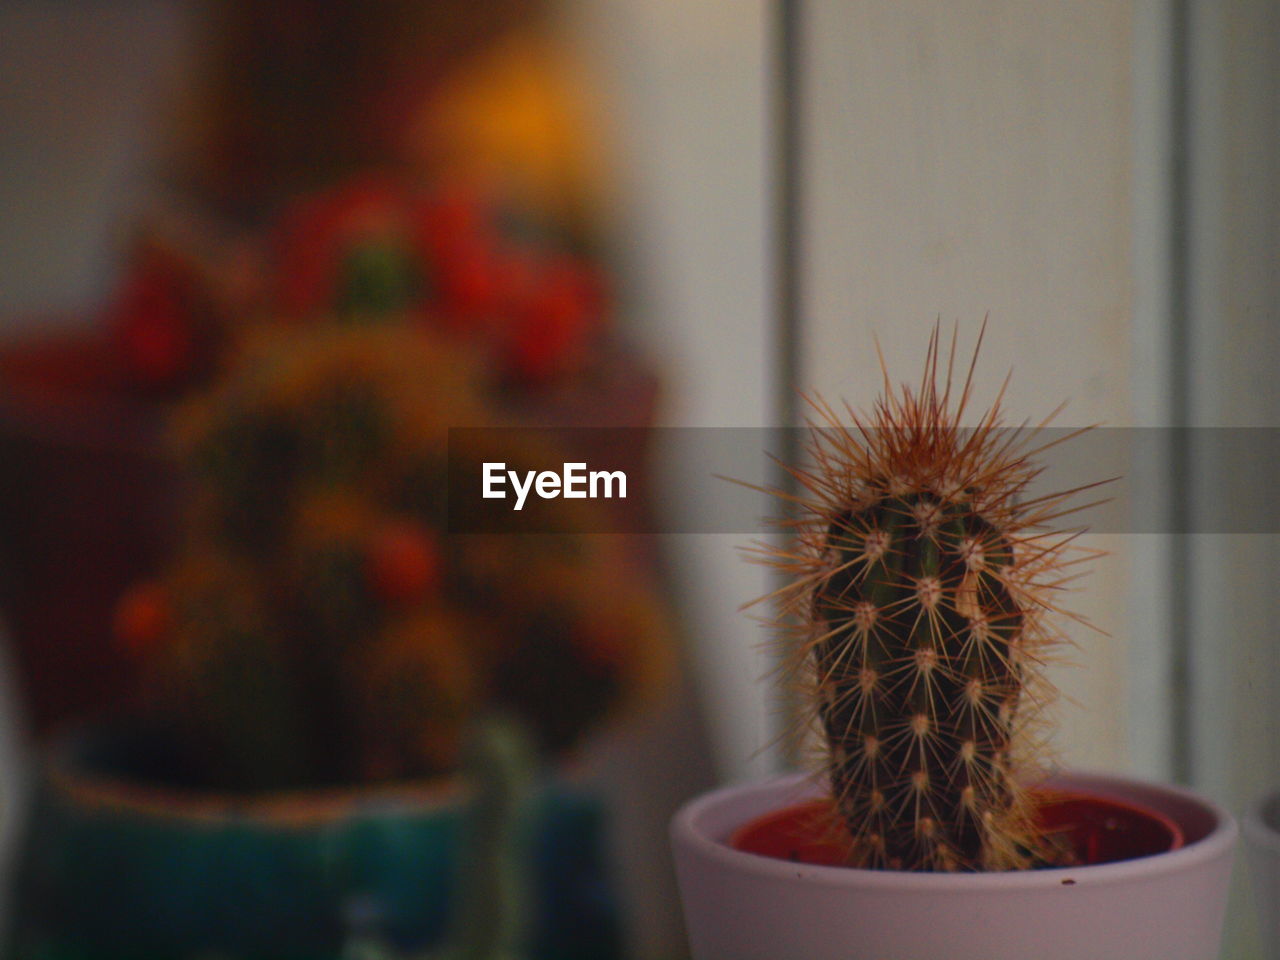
919 587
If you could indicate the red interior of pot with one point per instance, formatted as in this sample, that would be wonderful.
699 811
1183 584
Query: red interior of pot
1099 829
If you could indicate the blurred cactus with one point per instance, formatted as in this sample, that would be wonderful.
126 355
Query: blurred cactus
320 626
920 589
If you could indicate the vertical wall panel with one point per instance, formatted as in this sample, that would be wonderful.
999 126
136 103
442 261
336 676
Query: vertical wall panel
688 89
977 158
81 89
1234 303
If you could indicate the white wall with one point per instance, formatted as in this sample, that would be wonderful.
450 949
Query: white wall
687 84
1235 340
976 158
80 84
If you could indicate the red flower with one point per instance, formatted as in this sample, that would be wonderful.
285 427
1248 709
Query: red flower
554 329
403 563
153 322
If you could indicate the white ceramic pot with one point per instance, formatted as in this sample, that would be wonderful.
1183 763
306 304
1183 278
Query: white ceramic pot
741 906
1262 843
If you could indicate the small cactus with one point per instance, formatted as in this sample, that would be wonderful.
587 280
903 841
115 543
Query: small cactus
920 588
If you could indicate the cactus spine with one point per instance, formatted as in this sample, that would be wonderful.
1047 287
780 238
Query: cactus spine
920 589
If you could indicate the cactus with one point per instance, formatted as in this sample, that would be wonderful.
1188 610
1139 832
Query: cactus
920 588
319 624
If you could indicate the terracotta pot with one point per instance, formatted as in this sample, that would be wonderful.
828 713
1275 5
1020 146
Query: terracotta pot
1262 844
1168 906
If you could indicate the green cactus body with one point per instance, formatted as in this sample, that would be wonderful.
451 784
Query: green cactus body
917 614
492 922
919 681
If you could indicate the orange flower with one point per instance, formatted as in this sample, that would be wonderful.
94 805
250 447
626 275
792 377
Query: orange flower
143 618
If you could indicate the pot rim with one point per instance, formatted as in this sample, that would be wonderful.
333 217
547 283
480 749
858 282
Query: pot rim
290 807
284 808
688 829
1258 827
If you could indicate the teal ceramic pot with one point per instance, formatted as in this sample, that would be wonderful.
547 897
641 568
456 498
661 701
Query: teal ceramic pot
116 865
